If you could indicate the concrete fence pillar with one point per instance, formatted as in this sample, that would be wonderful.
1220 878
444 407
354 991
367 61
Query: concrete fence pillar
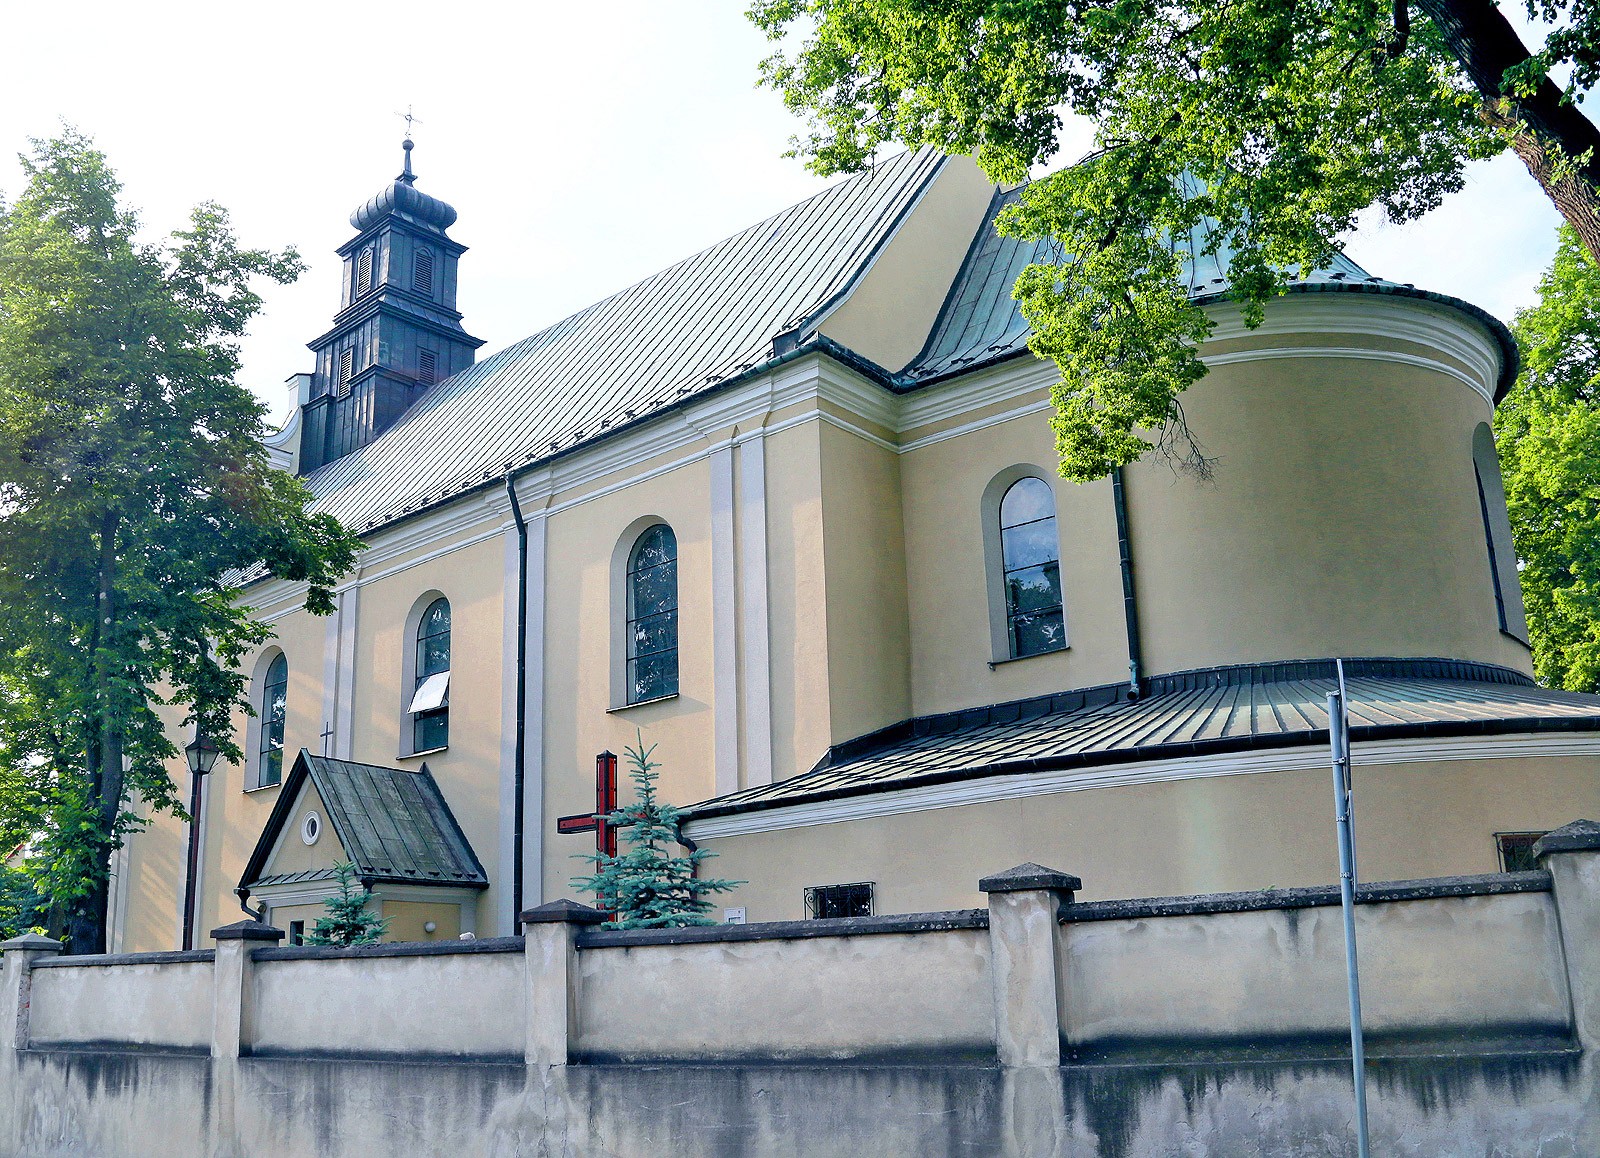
550 945
1024 904
233 990
1572 854
20 954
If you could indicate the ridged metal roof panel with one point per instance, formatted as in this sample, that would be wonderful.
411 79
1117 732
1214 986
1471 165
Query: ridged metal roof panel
656 343
982 322
394 825
1252 707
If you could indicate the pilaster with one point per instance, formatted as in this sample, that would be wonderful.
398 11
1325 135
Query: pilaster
1024 907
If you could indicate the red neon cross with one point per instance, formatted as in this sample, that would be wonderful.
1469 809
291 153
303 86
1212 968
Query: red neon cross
605 803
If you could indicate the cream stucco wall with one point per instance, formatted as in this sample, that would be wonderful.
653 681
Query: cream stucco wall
581 541
889 315
865 562
948 577
1343 519
1215 834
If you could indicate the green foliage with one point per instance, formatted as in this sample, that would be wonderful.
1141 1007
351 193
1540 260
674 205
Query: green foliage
132 483
1548 432
1254 130
22 909
645 887
348 922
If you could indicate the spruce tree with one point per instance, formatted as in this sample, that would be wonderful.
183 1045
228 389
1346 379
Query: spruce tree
348 922
645 887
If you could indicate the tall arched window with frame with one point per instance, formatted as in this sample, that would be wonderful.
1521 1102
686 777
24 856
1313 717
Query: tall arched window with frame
652 628
1030 556
430 699
273 711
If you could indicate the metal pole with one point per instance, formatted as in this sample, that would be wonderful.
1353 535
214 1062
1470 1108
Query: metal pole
1338 733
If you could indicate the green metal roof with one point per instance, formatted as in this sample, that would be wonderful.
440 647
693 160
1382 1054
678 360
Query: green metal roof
679 333
394 825
1246 708
981 323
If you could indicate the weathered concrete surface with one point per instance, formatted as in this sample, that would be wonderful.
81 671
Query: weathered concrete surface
138 1005
1485 965
112 1105
903 997
469 1005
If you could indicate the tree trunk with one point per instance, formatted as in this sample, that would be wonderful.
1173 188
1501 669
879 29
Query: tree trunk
88 928
1545 131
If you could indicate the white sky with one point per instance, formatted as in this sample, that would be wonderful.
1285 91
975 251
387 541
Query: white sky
585 146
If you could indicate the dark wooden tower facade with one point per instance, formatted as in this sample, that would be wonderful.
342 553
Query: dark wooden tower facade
397 331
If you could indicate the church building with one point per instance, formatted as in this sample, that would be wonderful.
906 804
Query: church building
789 511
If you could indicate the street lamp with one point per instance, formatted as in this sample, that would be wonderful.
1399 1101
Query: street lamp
201 753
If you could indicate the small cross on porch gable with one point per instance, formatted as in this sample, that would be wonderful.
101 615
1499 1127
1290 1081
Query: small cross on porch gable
605 803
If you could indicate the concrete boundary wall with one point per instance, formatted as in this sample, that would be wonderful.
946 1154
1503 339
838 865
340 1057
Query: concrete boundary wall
1482 999
1477 961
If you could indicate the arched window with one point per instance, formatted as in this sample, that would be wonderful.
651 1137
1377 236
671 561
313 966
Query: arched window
652 632
1030 565
430 699
273 708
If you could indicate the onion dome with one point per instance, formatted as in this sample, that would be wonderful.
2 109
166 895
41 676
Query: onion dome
403 199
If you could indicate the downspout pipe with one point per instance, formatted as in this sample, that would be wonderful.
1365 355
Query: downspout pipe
521 757
1130 600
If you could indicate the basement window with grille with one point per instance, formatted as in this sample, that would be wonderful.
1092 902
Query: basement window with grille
1516 851
422 271
825 901
364 271
347 371
427 366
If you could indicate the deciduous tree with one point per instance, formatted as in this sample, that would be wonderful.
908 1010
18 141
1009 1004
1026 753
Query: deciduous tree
1548 430
1256 130
132 484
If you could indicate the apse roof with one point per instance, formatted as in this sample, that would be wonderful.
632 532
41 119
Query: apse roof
393 823
982 323
1231 709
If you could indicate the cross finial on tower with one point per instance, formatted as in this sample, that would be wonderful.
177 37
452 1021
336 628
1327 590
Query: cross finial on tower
410 120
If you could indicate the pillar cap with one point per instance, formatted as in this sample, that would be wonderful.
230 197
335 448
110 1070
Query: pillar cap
1579 836
1031 878
564 911
31 943
247 931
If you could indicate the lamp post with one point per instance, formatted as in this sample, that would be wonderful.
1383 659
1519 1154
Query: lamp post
201 753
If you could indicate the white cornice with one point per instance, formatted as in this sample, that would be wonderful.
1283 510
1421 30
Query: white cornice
982 790
1430 324
817 378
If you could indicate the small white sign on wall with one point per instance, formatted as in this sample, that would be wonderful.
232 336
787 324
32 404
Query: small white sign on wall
733 916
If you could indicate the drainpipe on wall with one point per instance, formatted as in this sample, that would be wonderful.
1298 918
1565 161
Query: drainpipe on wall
1130 603
522 697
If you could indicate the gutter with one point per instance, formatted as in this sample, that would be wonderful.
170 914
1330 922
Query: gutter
521 757
1130 599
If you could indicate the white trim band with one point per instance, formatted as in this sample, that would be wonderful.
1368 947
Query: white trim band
985 789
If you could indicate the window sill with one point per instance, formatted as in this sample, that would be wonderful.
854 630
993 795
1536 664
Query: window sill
423 752
1515 638
263 788
994 663
642 703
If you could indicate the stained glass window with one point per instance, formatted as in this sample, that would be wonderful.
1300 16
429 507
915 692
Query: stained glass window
652 631
1031 565
430 699
273 709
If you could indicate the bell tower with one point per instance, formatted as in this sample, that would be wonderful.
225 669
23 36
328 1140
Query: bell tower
397 331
